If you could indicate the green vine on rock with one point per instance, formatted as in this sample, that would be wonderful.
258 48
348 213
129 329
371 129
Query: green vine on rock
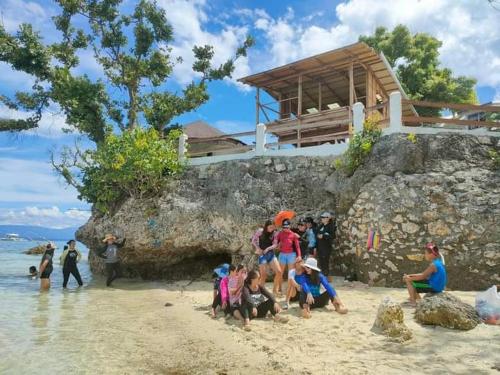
360 146
495 158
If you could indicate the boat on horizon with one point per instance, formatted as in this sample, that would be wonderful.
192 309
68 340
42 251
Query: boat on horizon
12 237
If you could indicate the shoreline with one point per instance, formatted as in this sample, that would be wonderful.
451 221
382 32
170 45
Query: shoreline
128 329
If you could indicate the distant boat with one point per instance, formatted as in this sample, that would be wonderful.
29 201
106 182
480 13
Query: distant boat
12 237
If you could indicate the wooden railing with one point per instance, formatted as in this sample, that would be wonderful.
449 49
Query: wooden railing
325 126
453 121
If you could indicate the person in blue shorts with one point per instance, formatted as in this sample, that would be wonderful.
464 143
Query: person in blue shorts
432 280
262 241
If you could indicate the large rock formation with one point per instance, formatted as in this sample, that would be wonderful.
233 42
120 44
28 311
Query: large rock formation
37 250
442 188
447 311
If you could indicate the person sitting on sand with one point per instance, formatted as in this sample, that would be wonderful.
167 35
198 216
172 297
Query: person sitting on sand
69 259
257 302
293 288
110 253
235 285
262 241
33 273
221 273
46 267
288 244
310 296
432 280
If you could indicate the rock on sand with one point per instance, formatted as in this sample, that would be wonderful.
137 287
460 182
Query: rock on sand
390 319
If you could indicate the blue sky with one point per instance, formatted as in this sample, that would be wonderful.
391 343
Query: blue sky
31 193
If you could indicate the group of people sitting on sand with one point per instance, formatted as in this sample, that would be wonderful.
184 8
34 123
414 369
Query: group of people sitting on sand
242 294
305 251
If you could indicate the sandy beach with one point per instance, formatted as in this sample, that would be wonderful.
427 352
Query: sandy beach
128 330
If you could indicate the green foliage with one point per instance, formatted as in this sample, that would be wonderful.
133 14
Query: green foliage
419 72
134 164
136 68
495 158
134 52
412 138
360 146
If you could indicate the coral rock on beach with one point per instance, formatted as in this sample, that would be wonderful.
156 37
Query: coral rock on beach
37 250
390 319
447 311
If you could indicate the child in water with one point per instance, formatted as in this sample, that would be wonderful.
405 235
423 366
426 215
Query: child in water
432 280
33 273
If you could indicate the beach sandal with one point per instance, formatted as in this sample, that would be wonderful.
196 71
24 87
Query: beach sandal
285 306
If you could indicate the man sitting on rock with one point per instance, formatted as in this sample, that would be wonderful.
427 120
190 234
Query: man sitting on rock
432 280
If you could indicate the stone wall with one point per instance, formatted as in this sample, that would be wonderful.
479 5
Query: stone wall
442 188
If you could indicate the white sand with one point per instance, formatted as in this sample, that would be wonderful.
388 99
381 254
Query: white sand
128 330
331 343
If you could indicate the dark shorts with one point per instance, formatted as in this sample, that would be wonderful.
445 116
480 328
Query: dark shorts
45 274
217 283
422 287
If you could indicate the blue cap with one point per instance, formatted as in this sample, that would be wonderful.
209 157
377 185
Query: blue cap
222 270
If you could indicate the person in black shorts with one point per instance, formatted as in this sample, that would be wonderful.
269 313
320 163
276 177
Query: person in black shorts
46 267
69 259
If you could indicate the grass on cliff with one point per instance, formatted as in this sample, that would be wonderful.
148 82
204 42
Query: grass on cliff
360 146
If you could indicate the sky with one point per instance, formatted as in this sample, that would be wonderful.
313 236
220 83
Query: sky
32 194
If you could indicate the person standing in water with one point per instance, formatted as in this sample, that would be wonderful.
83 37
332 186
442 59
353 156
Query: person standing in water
69 259
46 267
110 253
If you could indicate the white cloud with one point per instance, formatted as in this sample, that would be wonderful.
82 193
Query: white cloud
33 181
189 19
15 12
51 217
468 29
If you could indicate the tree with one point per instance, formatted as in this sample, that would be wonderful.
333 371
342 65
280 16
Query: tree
415 59
134 53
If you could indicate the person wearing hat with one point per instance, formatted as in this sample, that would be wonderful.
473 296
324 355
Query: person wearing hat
262 241
110 254
46 267
69 259
288 244
310 296
220 273
325 237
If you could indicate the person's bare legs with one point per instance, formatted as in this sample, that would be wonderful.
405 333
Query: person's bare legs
263 274
306 311
339 305
44 284
280 278
237 315
412 292
277 274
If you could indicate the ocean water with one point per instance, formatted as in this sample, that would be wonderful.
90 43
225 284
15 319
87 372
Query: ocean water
88 330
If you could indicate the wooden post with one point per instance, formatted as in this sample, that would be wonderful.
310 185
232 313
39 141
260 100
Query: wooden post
299 109
320 104
257 107
351 85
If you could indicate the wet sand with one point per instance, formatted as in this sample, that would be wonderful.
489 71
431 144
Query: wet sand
128 330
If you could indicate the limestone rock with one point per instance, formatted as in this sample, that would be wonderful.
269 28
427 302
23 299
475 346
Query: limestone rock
37 250
447 311
280 168
390 320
